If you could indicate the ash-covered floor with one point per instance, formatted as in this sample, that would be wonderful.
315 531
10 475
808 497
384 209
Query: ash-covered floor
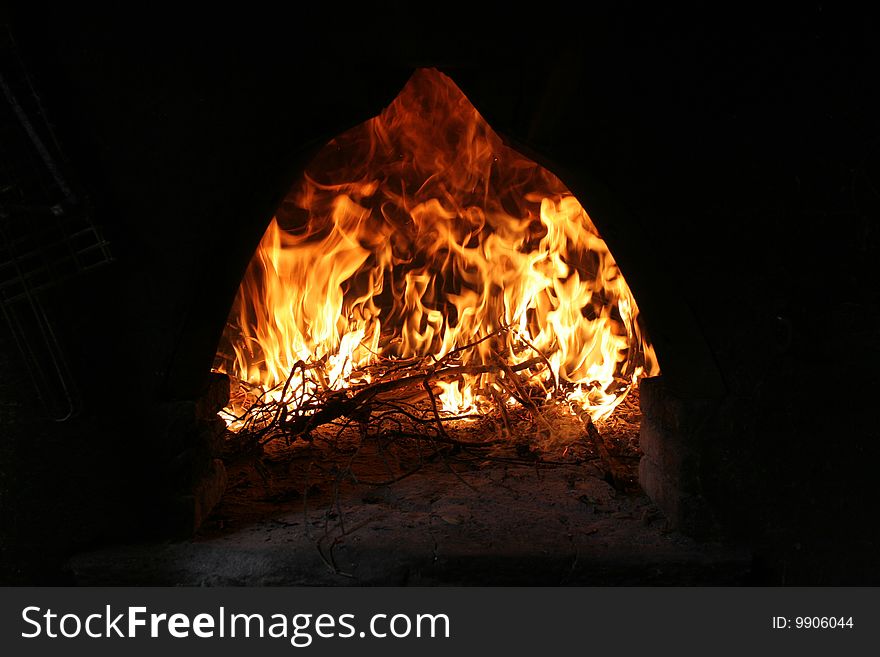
414 512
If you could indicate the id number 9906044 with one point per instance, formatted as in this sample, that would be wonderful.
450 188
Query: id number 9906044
813 622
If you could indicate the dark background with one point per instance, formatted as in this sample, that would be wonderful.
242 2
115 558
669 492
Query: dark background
741 151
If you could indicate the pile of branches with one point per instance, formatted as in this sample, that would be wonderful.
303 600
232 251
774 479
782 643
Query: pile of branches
397 392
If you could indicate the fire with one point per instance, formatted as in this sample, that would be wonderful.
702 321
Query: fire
420 235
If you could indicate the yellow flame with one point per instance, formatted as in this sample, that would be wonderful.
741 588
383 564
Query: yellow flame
419 232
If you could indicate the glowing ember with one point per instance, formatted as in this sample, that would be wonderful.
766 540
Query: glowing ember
419 233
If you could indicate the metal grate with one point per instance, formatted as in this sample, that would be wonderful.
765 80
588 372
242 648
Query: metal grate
40 247
47 235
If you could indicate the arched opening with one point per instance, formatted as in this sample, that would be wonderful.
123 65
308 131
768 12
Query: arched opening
419 249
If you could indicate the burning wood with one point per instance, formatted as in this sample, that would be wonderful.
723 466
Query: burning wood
400 399
404 387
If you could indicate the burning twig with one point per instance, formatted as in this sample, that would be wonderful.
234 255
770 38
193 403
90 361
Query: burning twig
540 353
338 403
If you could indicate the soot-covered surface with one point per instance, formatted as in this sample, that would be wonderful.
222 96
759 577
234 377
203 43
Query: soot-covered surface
392 511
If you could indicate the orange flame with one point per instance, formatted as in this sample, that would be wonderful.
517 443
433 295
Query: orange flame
419 232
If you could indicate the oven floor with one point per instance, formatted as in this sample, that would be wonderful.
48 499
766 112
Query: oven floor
296 516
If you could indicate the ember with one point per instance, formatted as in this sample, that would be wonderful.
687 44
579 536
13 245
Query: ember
422 266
